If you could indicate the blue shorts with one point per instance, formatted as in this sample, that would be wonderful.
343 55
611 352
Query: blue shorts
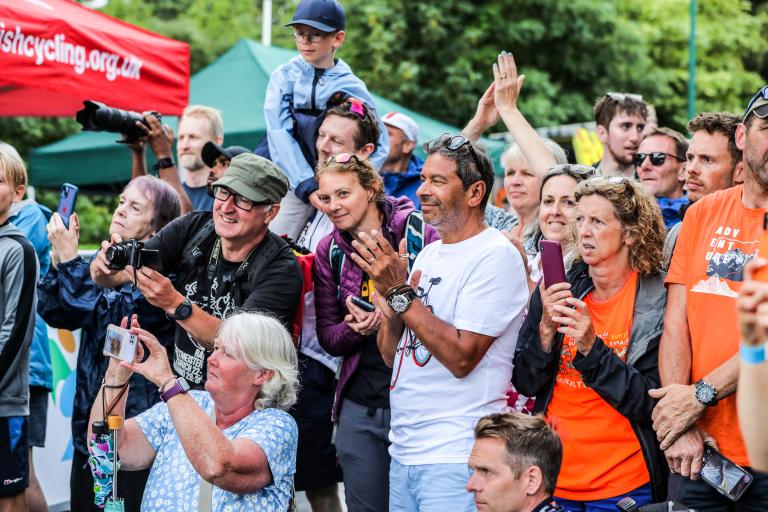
14 455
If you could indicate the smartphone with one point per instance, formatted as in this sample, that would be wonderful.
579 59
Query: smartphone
552 262
67 199
120 343
363 304
724 476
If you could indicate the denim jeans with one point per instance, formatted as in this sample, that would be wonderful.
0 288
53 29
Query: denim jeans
642 495
429 488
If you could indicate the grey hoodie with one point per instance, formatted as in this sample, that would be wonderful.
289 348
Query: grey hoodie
18 302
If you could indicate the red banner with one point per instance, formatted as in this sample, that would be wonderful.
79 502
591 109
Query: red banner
54 54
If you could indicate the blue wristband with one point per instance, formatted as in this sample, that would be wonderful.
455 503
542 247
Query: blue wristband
752 355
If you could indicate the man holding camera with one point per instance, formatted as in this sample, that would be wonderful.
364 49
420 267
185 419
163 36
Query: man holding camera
198 126
222 261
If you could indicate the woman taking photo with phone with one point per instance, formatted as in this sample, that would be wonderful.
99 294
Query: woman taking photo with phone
69 299
352 196
588 349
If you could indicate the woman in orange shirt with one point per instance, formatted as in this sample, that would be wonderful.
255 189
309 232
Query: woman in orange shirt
588 349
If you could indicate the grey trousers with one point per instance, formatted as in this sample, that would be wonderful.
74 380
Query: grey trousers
362 442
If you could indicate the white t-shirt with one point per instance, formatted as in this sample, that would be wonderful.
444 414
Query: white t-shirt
476 285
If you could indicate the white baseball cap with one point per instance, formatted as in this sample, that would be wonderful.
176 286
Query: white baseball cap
404 123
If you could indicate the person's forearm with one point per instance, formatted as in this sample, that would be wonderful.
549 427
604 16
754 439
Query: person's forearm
443 340
210 453
390 332
201 326
138 163
474 130
170 175
97 410
531 144
725 377
675 354
753 412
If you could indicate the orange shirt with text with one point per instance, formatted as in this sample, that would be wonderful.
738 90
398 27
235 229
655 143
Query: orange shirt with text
601 454
718 237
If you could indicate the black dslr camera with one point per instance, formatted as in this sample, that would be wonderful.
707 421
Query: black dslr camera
97 117
132 252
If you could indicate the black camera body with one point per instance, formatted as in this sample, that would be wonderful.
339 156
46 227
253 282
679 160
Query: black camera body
98 117
132 252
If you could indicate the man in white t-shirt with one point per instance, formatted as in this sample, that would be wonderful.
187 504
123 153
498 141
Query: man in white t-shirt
450 335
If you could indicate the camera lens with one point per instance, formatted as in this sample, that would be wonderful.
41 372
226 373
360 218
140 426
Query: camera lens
117 257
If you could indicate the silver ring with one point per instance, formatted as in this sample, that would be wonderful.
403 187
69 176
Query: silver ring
503 75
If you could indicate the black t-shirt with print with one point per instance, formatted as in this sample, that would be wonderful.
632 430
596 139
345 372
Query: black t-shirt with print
268 281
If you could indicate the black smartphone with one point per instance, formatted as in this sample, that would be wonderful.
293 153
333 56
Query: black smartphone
724 476
67 200
363 304
552 262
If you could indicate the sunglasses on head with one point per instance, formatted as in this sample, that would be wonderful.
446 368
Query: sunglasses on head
621 96
455 143
342 158
761 94
582 171
657 158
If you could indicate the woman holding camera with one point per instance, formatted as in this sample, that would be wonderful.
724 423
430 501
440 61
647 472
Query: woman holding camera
232 445
352 196
588 349
69 299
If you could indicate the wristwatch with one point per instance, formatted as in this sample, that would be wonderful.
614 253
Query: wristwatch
180 386
401 299
183 311
163 163
706 393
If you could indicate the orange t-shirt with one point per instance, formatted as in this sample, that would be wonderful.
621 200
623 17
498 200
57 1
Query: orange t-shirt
718 237
601 454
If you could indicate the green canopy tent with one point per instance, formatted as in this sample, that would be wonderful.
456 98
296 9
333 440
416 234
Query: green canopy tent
235 83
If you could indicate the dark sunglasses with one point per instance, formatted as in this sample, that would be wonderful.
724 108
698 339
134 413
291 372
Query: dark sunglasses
455 143
657 158
761 94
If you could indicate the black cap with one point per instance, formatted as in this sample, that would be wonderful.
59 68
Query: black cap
323 15
213 151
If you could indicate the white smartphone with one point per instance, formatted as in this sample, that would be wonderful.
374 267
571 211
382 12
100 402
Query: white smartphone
120 343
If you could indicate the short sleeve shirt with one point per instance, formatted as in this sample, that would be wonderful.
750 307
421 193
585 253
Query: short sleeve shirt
718 237
174 484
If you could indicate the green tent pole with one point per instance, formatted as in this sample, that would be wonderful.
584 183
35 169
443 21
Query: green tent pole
692 63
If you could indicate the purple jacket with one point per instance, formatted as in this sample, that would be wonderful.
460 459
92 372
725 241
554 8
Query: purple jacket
334 334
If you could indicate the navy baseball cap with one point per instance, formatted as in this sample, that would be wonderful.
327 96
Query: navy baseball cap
323 15
211 151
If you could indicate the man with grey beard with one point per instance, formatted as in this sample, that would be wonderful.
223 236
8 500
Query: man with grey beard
698 355
450 334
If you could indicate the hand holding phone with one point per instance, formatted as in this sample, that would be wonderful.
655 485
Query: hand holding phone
67 200
120 343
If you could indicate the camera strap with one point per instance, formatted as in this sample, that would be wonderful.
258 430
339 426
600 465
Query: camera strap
213 263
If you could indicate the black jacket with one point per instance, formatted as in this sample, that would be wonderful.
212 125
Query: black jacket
622 385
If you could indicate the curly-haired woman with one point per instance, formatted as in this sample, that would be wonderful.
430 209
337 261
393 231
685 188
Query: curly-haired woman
588 349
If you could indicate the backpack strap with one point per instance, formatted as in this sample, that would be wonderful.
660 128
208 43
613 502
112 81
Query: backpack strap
192 250
414 236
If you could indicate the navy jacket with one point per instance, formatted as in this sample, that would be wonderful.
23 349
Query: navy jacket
69 299
406 183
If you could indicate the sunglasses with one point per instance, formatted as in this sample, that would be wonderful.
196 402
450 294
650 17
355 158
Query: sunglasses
583 171
761 94
657 158
621 96
455 143
342 158
245 204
